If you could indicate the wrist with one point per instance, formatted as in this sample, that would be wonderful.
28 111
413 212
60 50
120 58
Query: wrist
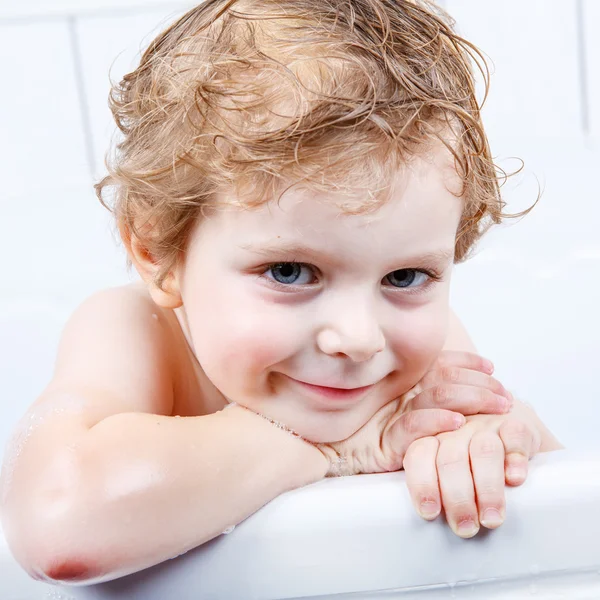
338 464
301 461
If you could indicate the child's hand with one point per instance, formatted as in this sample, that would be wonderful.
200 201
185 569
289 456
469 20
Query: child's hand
458 383
464 471
462 382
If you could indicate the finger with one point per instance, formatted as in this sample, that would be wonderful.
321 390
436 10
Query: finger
456 485
466 399
417 424
519 442
422 478
487 465
466 360
456 375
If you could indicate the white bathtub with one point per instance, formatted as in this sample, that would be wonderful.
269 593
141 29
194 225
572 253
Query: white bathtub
359 537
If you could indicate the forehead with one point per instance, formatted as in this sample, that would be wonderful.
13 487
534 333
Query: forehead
425 188
422 212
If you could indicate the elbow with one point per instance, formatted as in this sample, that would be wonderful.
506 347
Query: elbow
67 571
45 528
45 540
58 554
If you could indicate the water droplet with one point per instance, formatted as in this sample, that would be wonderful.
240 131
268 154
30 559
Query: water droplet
535 569
229 529
28 423
57 595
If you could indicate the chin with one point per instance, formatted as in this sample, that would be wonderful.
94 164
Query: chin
331 430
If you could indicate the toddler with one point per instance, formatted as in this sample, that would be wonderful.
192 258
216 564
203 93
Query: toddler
294 183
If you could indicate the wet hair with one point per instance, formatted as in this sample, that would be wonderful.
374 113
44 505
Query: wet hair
330 95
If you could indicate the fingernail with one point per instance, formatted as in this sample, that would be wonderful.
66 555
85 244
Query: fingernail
489 365
459 421
429 510
467 528
491 518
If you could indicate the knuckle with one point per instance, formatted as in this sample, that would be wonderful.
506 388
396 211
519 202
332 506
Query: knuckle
516 459
486 396
441 395
516 429
450 459
486 444
450 374
421 449
444 359
490 496
461 508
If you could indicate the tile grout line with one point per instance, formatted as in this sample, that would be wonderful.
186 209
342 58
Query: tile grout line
94 13
84 108
582 63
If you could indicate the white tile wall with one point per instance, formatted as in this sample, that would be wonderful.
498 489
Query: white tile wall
535 85
534 308
43 143
591 19
36 9
111 46
57 248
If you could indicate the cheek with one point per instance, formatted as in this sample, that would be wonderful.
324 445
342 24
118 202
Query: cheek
419 337
237 334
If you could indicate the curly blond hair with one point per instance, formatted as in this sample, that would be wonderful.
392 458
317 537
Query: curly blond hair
333 95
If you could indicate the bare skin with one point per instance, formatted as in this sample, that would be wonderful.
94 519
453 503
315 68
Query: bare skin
65 501
102 478
123 372
153 468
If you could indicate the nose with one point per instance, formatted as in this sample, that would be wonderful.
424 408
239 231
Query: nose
352 333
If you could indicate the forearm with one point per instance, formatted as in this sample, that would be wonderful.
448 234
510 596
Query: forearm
150 487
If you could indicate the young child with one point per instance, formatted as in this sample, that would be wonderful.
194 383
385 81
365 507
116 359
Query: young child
295 182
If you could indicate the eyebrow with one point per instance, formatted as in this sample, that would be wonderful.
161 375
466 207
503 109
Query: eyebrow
290 249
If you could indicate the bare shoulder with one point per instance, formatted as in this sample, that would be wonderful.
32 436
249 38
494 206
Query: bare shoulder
117 352
457 336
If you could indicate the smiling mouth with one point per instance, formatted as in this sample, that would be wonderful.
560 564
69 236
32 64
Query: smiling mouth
334 393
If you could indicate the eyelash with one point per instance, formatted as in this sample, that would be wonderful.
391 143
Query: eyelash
432 278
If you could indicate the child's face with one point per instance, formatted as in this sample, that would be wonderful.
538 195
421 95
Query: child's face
357 310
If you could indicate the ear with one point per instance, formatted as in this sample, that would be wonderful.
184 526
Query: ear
168 295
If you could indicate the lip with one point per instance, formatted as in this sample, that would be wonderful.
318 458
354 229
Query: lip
333 393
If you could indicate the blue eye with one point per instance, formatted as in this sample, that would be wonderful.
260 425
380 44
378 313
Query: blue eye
291 273
405 278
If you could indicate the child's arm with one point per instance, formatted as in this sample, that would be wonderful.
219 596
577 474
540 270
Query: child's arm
106 483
